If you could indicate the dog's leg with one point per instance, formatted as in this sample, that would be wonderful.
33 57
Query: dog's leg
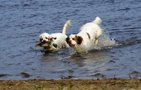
96 41
97 36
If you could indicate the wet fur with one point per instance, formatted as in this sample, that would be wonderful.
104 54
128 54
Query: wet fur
57 38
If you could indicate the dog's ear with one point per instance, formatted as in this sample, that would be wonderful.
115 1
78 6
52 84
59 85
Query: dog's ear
67 39
79 39
41 39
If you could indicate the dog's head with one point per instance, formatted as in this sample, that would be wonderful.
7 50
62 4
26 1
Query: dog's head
46 37
74 40
47 41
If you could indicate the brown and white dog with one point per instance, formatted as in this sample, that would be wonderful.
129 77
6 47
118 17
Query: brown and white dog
59 39
88 36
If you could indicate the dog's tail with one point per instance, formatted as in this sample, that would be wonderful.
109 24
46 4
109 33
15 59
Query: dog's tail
97 20
66 26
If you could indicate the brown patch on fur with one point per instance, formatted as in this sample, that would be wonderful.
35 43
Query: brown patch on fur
75 39
55 38
50 39
67 39
41 39
78 39
89 35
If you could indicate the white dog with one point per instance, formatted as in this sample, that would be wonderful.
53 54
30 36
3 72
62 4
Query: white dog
57 39
88 36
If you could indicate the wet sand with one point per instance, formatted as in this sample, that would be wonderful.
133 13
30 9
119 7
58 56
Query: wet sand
107 84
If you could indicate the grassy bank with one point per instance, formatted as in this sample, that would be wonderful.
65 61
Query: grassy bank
107 84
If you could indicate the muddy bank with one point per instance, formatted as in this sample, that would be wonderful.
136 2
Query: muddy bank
108 84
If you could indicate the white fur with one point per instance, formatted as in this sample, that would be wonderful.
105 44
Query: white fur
57 38
88 42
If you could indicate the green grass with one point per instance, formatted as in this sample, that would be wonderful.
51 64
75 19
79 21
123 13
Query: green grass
85 82
41 88
130 77
62 86
71 86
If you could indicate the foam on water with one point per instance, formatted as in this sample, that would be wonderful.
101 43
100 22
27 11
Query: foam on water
106 42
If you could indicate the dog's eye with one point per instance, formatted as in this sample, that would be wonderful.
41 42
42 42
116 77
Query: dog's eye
46 37
73 39
55 38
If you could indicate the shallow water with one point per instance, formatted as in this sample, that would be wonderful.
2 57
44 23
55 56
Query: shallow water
22 21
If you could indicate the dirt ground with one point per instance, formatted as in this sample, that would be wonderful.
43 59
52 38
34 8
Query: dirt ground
107 84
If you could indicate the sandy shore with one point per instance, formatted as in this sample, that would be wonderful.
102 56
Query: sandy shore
107 84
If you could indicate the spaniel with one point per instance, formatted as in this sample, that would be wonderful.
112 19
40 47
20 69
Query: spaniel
54 41
88 36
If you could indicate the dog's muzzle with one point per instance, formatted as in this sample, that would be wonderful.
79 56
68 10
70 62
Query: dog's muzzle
70 43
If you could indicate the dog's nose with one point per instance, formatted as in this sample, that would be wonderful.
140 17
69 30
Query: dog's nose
44 41
69 41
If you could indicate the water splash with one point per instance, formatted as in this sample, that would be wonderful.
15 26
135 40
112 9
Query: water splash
106 42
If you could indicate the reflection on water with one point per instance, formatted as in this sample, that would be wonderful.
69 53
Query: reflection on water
91 60
75 65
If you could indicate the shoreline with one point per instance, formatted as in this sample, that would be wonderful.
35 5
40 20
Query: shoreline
99 84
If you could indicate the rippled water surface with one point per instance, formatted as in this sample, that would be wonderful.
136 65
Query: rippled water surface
22 21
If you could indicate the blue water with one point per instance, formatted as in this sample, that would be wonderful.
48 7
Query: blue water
22 21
